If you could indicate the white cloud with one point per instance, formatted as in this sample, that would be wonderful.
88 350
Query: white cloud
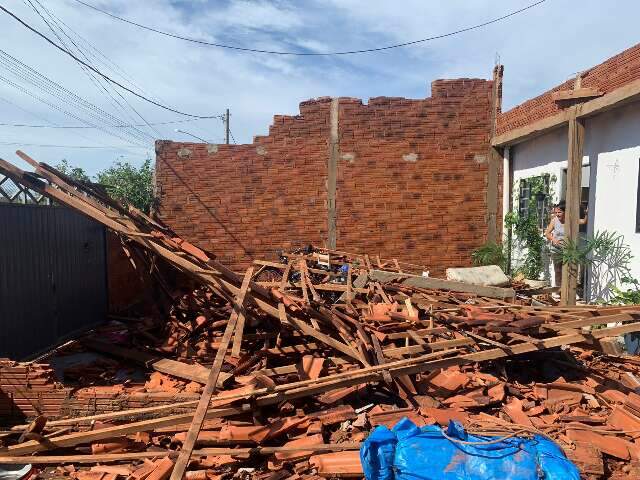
539 49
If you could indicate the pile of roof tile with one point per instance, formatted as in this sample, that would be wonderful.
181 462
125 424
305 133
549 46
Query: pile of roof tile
282 371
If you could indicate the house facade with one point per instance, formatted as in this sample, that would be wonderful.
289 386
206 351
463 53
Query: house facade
534 137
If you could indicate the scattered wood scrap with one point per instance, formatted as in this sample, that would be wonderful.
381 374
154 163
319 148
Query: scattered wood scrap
282 372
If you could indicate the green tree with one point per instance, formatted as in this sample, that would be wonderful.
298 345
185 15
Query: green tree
122 181
130 185
76 173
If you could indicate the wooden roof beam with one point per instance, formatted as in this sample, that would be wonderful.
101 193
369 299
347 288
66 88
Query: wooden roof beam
576 94
618 97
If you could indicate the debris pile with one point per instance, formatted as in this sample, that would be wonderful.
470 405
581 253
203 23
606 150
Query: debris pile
282 371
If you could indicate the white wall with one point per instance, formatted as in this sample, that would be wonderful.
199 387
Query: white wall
612 148
613 139
541 155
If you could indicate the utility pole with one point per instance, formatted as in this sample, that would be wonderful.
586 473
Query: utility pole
226 127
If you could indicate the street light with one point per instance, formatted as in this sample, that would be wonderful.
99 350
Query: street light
190 134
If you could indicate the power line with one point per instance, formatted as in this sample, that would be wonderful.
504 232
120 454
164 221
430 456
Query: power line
56 107
52 124
309 54
97 81
115 147
84 126
92 77
106 77
108 62
43 83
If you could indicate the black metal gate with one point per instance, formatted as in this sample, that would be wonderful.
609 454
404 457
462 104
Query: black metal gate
53 279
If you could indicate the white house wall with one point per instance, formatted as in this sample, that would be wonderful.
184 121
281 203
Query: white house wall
612 148
541 155
613 139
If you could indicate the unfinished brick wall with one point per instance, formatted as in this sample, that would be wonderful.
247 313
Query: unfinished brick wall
613 73
411 180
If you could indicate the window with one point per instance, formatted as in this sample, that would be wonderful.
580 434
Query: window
638 201
534 198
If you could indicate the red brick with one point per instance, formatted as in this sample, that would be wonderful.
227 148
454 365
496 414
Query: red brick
613 73
248 201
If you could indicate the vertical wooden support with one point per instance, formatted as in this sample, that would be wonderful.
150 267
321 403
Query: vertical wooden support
210 387
572 212
494 159
332 167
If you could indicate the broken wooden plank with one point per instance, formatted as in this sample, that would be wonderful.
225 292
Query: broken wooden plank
437 283
195 373
237 339
131 456
210 387
79 438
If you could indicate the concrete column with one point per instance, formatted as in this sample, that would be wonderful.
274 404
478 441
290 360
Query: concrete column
332 170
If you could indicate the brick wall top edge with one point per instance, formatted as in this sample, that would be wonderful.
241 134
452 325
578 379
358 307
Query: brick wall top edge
613 73
307 107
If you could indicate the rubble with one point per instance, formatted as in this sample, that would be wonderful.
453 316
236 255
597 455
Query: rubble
282 371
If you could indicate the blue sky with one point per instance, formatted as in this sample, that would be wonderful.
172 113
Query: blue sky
539 48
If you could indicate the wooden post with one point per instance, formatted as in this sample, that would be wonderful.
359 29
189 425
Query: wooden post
209 389
332 167
494 158
572 212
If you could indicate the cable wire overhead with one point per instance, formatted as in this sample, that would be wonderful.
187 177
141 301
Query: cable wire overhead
309 54
31 125
95 70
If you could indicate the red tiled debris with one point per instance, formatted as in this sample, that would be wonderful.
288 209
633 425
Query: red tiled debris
162 470
338 464
609 444
629 380
575 387
515 412
196 475
622 419
633 402
88 475
300 442
310 367
497 392
451 380
144 471
614 396
205 437
217 461
219 401
557 398
257 433
335 415
391 417
334 396
124 470
442 416
283 425
587 457
115 445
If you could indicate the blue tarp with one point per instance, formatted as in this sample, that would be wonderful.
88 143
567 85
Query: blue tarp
410 453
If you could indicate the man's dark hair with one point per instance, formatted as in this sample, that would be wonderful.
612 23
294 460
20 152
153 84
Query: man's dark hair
562 206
